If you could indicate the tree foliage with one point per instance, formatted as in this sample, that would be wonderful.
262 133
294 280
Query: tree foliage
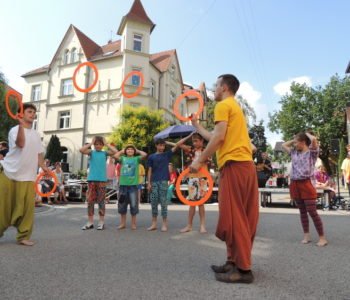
138 127
6 121
258 138
321 109
54 151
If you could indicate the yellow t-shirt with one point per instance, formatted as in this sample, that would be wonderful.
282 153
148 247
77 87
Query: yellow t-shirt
345 166
142 174
236 145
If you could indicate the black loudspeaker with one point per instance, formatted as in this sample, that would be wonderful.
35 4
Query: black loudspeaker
334 146
65 167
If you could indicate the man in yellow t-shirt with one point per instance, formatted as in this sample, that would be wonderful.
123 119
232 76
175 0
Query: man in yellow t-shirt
345 167
238 186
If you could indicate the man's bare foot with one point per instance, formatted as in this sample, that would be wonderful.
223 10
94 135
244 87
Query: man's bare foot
322 242
152 227
121 226
203 230
133 227
186 229
164 228
26 243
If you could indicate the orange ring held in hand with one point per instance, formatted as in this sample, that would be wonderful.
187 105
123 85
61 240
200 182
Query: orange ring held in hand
139 89
7 104
55 182
88 89
177 104
200 201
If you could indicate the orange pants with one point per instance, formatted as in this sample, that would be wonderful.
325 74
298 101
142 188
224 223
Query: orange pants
238 211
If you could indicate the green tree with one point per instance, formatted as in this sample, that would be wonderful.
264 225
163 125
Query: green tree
54 150
321 109
138 126
258 138
342 153
6 121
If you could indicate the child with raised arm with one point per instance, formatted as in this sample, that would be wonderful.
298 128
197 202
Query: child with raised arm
158 177
129 158
97 179
197 184
304 150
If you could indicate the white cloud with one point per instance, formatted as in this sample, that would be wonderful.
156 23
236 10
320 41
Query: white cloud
283 87
247 91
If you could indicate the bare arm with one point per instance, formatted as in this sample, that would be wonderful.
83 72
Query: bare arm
200 129
287 146
215 141
20 140
149 176
313 139
118 154
141 153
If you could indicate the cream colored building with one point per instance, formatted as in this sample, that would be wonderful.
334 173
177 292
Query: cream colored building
74 116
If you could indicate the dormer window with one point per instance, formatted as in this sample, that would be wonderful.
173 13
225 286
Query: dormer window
137 46
74 55
66 57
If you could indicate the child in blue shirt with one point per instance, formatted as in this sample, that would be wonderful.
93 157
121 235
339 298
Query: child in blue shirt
97 179
158 177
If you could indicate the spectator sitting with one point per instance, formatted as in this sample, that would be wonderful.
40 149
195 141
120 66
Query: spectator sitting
60 184
3 150
323 181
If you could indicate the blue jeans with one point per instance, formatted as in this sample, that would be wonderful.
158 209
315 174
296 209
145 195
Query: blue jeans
128 195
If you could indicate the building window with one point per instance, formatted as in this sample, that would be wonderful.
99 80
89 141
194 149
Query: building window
67 87
64 119
134 104
172 99
64 154
36 92
153 89
66 57
35 123
137 42
74 55
135 79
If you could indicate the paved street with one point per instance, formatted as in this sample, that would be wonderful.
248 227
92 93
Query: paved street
67 263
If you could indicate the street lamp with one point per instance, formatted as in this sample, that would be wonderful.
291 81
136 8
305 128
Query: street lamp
348 120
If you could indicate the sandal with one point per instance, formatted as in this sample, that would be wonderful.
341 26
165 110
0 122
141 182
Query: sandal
87 227
100 226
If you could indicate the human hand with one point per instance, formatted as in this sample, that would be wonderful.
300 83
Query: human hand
195 166
149 187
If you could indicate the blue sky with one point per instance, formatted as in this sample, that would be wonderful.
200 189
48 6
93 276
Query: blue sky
265 43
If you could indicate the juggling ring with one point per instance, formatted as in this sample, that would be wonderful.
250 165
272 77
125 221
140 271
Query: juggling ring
200 201
139 89
177 104
55 181
19 100
88 89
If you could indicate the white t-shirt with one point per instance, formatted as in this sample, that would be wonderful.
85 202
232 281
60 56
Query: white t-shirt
21 164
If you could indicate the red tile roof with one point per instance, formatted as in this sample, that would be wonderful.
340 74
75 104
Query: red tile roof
88 45
112 49
138 14
162 60
37 71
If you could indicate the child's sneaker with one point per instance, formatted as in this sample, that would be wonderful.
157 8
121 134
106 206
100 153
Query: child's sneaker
100 226
87 227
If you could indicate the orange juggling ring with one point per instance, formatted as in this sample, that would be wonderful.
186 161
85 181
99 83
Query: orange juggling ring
88 89
7 104
178 100
52 174
139 89
200 201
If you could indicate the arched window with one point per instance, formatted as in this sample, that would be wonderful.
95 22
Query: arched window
66 57
74 55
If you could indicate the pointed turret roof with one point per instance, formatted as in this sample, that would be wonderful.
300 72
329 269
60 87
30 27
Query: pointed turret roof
138 14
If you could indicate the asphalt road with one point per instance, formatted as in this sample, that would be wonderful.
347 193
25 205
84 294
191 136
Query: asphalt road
67 263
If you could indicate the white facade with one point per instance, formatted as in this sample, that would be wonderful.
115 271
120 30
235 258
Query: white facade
74 116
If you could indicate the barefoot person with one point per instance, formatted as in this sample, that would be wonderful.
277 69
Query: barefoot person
238 186
18 171
304 155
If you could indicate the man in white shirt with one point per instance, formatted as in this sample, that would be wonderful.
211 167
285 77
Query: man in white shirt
18 172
